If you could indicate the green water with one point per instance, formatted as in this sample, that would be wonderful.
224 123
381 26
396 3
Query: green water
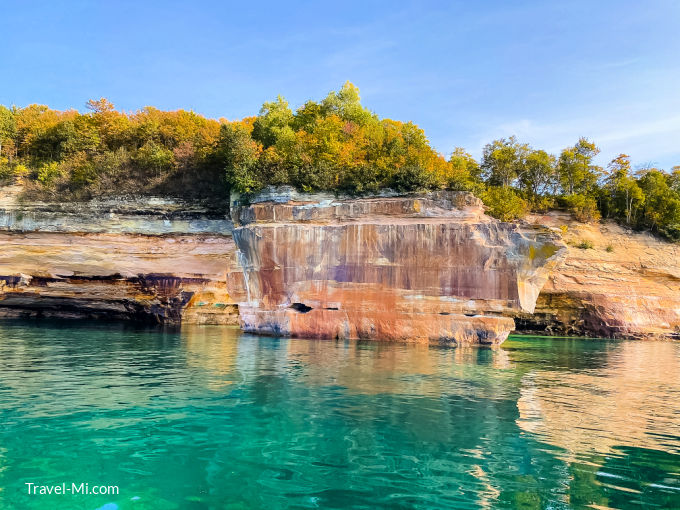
209 418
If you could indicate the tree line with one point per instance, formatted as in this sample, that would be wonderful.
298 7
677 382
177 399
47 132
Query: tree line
334 145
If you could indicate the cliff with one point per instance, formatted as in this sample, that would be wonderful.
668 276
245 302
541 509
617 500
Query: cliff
158 261
428 268
626 286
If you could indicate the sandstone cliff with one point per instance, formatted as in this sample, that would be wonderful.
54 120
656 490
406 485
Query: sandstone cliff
411 268
626 286
155 261
431 268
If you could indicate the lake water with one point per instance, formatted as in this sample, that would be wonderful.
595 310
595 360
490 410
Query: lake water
210 418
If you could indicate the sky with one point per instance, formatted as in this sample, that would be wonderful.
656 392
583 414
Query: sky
466 72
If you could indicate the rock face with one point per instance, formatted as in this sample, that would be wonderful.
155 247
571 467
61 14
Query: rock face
431 268
626 286
156 262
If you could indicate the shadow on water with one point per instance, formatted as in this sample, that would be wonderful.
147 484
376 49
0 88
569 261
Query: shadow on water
209 417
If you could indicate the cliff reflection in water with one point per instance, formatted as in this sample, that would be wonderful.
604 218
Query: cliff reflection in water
210 417
632 400
598 405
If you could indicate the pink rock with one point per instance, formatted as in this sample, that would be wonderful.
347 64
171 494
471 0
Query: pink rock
428 268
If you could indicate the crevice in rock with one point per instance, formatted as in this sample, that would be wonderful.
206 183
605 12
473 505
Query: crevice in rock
300 307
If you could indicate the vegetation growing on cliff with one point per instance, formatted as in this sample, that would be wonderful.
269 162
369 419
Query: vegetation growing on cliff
69 155
335 145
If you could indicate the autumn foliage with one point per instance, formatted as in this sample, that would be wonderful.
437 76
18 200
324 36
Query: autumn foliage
334 145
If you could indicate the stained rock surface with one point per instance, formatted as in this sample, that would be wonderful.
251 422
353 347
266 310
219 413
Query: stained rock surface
626 286
428 268
155 261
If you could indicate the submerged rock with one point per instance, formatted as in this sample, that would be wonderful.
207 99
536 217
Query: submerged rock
428 268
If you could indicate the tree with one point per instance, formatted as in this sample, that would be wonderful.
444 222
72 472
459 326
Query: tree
582 207
661 208
346 104
48 173
575 168
32 123
625 194
274 121
101 105
240 154
503 203
464 172
538 173
674 179
503 161
7 129
412 178
154 157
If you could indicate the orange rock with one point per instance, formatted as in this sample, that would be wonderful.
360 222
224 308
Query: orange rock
430 268
626 286
164 279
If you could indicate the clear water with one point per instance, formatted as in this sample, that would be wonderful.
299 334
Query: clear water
209 418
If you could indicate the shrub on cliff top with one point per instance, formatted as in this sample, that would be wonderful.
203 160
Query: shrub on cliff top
582 207
504 203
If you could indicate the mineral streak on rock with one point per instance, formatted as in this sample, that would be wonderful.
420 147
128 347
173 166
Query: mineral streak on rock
163 263
158 279
428 268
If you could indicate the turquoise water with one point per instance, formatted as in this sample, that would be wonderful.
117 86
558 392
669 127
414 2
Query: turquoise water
209 418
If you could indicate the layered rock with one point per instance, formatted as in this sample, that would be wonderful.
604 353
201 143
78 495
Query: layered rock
430 268
117 215
155 261
626 286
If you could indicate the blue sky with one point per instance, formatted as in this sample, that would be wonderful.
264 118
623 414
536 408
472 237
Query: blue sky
466 72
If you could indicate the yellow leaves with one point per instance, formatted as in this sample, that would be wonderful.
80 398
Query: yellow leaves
101 105
334 144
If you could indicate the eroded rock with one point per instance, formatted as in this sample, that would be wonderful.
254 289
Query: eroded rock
429 268
151 260
626 286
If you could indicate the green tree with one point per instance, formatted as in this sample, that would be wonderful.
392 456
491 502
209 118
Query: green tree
538 174
48 173
661 208
154 157
465 173
504 203
625 194
273 122
503 161
346 104
583 207
240 154
576 171
7 131
306 116
674 179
